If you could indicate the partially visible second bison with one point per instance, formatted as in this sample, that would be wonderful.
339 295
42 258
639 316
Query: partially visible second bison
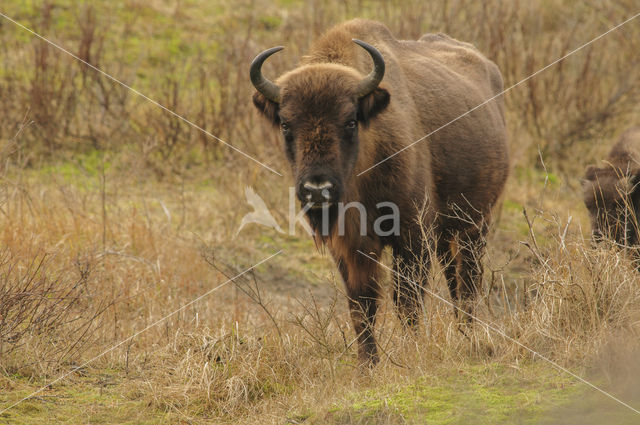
612 192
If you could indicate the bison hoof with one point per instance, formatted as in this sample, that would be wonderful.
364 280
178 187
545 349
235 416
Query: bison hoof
368 356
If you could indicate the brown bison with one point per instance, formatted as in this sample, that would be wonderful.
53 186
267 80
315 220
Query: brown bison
338 119
611 192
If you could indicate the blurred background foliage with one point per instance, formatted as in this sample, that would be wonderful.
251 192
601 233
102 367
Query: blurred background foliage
192 57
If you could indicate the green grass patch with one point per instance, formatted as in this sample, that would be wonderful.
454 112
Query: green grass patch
86 400
483 394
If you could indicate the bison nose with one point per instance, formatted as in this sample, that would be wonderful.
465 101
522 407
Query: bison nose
317 193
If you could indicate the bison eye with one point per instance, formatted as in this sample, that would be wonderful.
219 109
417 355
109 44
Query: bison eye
286 129
350 125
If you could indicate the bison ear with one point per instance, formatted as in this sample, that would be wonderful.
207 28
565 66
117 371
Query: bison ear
634 185
267 107
634 181
590 173
372 104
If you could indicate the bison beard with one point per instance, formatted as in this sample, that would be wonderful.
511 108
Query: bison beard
339 118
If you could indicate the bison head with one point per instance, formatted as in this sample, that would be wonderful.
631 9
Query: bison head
613 200
319 109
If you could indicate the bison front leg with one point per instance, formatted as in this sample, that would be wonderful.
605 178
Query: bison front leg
360 278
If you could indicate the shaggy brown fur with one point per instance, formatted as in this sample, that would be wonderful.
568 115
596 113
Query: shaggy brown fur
611 192
455 176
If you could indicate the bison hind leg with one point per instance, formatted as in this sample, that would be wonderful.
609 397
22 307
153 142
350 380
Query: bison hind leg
465 272
448 256
408 291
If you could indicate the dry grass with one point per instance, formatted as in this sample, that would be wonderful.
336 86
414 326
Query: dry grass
113 214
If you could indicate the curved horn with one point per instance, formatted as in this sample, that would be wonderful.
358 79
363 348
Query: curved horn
371 81
264 86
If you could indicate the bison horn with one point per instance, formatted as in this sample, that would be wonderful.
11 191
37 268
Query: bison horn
269 90
371 81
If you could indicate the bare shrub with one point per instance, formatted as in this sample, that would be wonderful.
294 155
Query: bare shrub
48 312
